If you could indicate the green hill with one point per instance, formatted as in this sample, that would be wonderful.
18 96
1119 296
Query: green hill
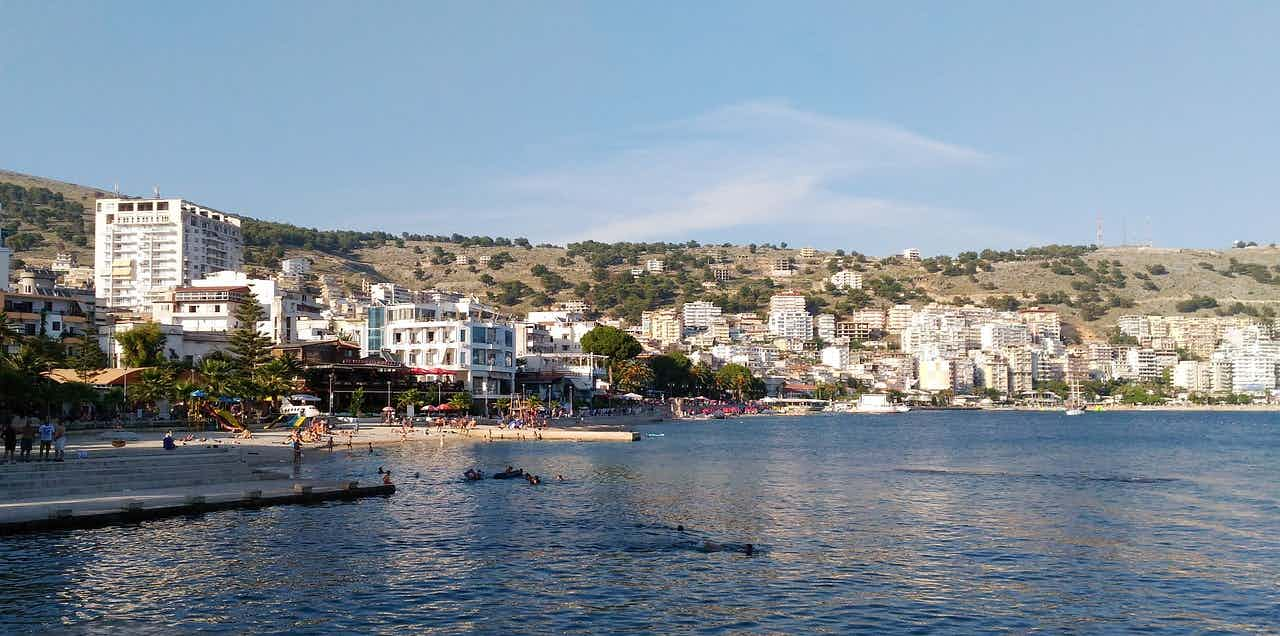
1091 287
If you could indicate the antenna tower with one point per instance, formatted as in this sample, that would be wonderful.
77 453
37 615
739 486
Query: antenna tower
1099 243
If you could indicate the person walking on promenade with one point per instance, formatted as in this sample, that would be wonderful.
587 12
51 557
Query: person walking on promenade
10 435
46 440
59 441
28 438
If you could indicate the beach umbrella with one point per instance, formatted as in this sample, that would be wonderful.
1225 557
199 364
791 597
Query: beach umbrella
302 397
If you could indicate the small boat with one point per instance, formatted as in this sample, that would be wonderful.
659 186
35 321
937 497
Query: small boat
657 434
519 472
1075 411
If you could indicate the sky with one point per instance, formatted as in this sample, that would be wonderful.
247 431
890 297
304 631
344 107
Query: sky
945 126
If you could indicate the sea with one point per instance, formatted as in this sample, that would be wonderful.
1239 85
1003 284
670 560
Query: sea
924 522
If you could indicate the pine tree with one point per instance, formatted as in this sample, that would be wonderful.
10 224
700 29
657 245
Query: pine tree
89 358
249 348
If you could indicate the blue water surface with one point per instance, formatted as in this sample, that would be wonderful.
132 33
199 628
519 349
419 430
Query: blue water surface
922 522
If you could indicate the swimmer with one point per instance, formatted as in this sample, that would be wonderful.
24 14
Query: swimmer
380 470
559 477
386 478
370 448
680 528
749 549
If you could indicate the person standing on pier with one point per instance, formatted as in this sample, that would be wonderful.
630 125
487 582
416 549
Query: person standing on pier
59 440
28 438
46 440
10 435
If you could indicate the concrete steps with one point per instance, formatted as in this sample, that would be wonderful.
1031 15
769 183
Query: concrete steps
124 473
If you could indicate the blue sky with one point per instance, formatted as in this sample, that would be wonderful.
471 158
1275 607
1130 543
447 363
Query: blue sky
867 126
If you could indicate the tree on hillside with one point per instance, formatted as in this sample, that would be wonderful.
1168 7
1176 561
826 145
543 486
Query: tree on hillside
142 345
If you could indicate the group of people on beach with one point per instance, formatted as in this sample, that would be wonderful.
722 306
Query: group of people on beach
51 433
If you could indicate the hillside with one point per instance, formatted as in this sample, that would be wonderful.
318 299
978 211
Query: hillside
1092 287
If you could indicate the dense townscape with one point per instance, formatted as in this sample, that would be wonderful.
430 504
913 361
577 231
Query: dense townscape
170 298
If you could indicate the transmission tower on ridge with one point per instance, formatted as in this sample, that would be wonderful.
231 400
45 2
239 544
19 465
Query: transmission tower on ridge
1099 243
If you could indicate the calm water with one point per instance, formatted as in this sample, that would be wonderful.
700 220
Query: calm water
1165 522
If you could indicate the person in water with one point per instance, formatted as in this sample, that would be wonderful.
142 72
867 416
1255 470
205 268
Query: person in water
386 478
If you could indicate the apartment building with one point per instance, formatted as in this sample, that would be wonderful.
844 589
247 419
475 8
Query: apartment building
450 332
699 314
663 325
145 247
846 280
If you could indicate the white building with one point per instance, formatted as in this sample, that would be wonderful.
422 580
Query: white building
6 257
996 336
846 279
295 266
654 266
786 301
792 324
450 332
824 327
145 247
389 294
836 357
700 314
911 254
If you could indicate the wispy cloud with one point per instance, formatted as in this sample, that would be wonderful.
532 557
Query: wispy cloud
758 163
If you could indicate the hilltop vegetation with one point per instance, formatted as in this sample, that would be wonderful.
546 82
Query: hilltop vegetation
1090 286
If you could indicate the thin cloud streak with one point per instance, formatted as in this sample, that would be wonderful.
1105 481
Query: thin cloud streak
760 164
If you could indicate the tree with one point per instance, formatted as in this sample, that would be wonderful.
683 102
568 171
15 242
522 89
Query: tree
275 379
249 348
156 384
461 401
357 401
216 376
611 342
409 397
89 358
738 380
142 346
671 373
632 376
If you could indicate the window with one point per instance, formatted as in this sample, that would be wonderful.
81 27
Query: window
144 206
508 359
477 356
395 337
462 335
57 326
162 205
217 309
191 309
478 335
125 207
510 339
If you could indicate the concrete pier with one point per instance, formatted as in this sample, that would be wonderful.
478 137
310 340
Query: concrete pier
94 511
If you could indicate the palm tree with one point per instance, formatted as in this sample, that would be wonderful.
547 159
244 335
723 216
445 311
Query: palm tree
216 376
410 396
156 384
275 379
461 401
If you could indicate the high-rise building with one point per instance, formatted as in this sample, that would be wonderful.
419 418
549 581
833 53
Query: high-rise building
143 248
699 314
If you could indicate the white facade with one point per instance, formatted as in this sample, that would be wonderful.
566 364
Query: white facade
700 314
846 280
654 266
836 357
792 324
824 327
911 254
451 332
996 336
786 301
389 294
145 247
295 266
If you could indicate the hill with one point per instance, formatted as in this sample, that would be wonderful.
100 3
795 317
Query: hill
1090 286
